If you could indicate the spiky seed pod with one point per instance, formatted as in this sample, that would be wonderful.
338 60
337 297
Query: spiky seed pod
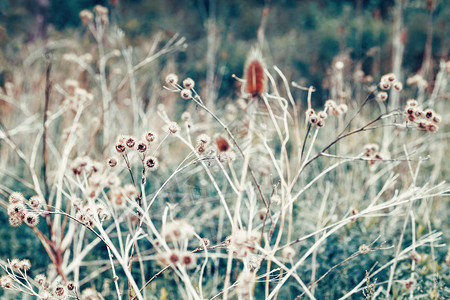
255 78
16 209
15 221
16 197
6 282
31 219
35 202
25 265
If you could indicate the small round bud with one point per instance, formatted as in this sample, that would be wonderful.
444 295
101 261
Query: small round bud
385 85
150 136
173 127
322 115
429 113
382 96
186 94
112 162
151 163
171 79
409 110
40 279
313 119
364 249
398 86
390 77
412 102
70 286
343 108
320 123
309 112
120 147
203 139
188 83
205 242
141 147
330 103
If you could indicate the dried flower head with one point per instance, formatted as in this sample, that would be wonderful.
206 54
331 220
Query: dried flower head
60 290
309 112
173 127
151 163
203 139
364 249
429 113
120 147
412 102
188 83
398 86
130 142
313 119
86 16
16 197
410 283
6 282
141 147
430 127
414 256
188 260
382 96
186 94
70 285
150 136
31 219
322 115
16 209
254 75
24 265
245 283
112 162
40 279
15 221
171 79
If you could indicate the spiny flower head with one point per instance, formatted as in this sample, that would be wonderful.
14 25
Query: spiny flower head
16 197
254 75
177 230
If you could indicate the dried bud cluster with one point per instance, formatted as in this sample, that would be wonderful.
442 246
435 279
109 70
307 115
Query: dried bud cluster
242 243
371 151
330 107
424 119
174 257
18 212
387 82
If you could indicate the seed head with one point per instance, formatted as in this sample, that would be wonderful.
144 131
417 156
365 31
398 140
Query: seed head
309 112
254 75
130 142
188 259
364 249
313 119
120 147
16 209
40 279
203 139
398 86
188 83
141 147
173 127
429 113
60 290
6 282
382 96
70 286
35 202
112 162
150 136
343 108
322 115
412 102
430 127
86 16
275 199
172 79
151 163
24 265
186 94
31 219
16 197
436 119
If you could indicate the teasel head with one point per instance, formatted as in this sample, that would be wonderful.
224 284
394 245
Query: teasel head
254 75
